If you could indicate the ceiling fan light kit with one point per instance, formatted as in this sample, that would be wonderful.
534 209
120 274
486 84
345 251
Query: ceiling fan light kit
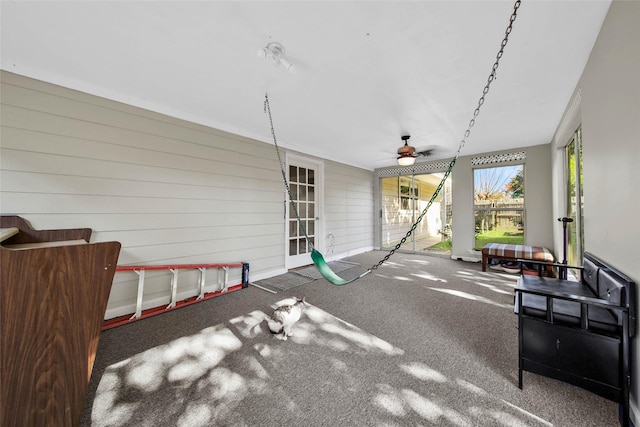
406 153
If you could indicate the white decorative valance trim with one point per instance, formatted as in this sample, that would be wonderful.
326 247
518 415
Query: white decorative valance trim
414 169
498 158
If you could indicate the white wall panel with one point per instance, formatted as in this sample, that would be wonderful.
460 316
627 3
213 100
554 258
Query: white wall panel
348 209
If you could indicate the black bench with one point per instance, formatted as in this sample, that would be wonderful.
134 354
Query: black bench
578 331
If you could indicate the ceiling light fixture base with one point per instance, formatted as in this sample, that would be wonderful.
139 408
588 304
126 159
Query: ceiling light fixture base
276 52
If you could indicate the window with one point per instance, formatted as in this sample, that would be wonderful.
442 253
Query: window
575 201
408 194
499 205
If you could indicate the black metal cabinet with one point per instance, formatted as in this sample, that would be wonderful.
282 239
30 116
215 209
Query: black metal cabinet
576 356
572 347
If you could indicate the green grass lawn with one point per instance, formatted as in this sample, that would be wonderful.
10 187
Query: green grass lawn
495 236
441 247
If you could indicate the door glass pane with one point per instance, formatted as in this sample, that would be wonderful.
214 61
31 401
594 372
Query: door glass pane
431 234
402 201
301 209
391 228
499 205
575 201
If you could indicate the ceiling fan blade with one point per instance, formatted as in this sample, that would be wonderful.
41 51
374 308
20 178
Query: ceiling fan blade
425 151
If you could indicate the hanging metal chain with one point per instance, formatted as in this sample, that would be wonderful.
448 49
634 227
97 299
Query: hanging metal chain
467 132
267 109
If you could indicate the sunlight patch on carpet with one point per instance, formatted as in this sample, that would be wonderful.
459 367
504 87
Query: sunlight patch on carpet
473 406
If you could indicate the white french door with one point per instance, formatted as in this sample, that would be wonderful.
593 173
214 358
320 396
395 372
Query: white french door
305 180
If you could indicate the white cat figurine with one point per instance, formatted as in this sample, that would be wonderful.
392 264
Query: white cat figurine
285 317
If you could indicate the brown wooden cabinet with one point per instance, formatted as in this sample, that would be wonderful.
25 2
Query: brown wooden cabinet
54 288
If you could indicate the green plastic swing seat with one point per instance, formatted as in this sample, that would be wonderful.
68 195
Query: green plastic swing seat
328 274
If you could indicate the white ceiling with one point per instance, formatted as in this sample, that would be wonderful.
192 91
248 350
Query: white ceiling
367 71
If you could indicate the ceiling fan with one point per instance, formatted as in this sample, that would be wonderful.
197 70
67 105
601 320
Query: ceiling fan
407 154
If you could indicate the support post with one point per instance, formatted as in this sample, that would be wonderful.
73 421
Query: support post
563 270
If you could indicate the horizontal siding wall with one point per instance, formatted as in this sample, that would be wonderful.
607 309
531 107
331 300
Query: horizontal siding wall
348 210
170 191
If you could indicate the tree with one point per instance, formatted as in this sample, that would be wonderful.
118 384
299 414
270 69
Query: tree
489 183
515 187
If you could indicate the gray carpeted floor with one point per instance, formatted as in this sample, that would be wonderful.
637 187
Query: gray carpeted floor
421 341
